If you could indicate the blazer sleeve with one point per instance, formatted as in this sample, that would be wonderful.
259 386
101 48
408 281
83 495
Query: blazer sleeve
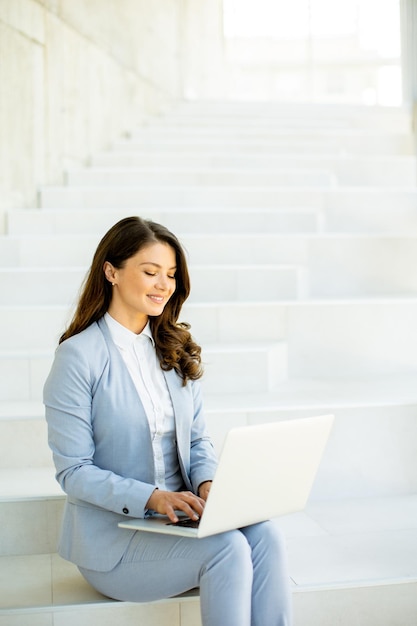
203 460
68 394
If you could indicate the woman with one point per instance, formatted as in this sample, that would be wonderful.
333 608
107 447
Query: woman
128 437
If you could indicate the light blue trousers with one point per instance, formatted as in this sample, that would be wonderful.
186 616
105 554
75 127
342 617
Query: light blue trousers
242 574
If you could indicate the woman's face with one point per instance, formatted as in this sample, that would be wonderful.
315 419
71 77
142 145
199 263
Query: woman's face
143 286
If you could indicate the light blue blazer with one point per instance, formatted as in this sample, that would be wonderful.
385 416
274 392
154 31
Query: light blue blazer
101 444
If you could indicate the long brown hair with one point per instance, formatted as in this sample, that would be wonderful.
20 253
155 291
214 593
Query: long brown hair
174 344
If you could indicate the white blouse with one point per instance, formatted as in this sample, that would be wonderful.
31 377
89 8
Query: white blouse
139 354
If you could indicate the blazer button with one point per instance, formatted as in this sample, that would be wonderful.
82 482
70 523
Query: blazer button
125 511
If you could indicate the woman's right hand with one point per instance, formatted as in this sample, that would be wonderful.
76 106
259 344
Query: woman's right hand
167 502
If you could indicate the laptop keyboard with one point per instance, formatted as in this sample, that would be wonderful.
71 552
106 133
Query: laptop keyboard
187 522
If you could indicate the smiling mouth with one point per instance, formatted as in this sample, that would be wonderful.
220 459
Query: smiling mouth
156 299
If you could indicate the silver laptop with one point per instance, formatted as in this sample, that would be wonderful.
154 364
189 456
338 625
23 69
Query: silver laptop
264 471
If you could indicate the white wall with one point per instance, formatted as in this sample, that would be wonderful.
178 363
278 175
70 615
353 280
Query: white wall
77 74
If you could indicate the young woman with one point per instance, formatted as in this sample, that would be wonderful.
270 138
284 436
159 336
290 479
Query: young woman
128 436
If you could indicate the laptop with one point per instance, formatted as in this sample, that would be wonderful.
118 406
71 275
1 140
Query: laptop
264 471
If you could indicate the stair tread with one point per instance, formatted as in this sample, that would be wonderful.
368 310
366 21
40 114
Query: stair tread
322 393
33 483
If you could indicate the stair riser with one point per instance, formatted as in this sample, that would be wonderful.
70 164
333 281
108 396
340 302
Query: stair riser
383 605
336 340
371 451
29 328
357 267
261 132
22 378
401 171
239 121
61 251
352 339
211 284
337 267
360 260
24 443
95 222
266 150
255 370
40 328
378 171
286 178
134 198
193 197
254 116
362 335
30 527
322 143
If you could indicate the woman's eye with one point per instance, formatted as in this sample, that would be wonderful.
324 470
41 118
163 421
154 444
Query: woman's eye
150 274
173 277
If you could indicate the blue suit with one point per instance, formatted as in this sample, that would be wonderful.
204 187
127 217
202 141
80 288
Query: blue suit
102 449
101 443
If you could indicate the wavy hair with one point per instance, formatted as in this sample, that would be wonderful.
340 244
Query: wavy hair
174 344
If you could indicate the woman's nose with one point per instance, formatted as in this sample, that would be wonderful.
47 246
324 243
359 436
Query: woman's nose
162 283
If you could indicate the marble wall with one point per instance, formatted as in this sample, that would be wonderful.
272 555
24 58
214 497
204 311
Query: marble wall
76 75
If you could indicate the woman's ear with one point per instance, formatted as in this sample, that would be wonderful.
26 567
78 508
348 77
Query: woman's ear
109 272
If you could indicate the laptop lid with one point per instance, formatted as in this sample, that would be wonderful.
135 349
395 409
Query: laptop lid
264 471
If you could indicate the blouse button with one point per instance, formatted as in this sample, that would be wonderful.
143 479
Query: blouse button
125 511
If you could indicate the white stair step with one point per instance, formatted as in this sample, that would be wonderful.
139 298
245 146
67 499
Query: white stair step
38 286
31 504
23 436
60 286
27 484
347 170
22 374
287 115
352 265
77 251
214 322
171 177
247 283
133 198
390 218
30 526
371 450
325 338
347 324
265 149
346 141
352 338
245 129
97 222
256 367
24 444
32 327
138 198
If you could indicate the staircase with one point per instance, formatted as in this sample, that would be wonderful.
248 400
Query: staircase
301 229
